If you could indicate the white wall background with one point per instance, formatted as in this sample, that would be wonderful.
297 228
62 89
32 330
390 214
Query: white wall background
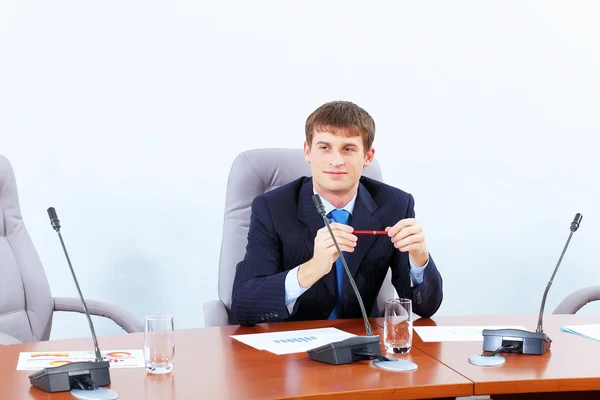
126 117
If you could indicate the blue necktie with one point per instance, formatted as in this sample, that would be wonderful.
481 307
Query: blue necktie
342 217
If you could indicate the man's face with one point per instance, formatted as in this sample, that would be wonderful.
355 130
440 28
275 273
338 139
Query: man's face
336 161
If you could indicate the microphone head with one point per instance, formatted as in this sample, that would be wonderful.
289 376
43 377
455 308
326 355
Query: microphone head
319 204
54 221
576 222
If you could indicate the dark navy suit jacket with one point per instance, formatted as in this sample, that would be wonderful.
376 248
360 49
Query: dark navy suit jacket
283 225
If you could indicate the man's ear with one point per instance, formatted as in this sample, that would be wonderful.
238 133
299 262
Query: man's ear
307 152
369 156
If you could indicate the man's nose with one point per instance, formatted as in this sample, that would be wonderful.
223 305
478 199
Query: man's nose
337 160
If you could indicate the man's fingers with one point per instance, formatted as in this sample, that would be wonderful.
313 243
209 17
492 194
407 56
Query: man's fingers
340 241
406 232
344 235
413 239
338 234
399 225
411 247
344 248
341 227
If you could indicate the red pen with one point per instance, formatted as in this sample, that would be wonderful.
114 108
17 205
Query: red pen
369 232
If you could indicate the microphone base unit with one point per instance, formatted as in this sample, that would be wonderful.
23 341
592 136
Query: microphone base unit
346 351
524 342
72 376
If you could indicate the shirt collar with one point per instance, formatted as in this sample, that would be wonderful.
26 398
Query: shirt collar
329 207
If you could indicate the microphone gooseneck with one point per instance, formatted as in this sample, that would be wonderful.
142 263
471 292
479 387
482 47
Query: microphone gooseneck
321 210
55 222
574 227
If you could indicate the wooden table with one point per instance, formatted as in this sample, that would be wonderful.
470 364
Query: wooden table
211 365
572 364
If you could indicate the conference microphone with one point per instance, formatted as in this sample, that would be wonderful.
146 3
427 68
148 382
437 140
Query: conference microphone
355 348
81 376
521 341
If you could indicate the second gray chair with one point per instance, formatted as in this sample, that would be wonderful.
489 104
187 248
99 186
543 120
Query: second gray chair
576 300
255 172
26 304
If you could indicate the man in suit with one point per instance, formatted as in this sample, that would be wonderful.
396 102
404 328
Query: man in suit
291 270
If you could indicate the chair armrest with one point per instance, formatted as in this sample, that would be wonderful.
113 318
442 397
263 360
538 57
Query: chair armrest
573 302
124 319
7 339
215 314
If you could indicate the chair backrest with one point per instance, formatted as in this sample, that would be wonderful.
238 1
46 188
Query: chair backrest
255 172
26 303
576 300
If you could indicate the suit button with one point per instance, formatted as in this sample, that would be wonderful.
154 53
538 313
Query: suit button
276 315
262 317
325 313
271 315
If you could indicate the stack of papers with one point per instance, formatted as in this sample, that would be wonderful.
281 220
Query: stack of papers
587 331
455 333
290 342
116 358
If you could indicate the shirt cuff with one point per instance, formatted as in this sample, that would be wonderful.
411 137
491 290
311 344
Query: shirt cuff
416 273
293 290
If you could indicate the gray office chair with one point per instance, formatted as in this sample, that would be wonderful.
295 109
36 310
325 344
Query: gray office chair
26 304
255 172
576 300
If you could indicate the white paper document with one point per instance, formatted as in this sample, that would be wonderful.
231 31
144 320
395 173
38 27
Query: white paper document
455 333
587 331
46 359
289 342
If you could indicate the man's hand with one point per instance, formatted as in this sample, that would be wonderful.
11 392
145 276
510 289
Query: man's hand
407 235
325 253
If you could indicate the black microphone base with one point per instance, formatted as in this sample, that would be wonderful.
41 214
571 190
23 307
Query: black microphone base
525 342
68 376
345 351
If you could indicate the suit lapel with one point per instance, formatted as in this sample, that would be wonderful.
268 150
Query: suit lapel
362 219
307 214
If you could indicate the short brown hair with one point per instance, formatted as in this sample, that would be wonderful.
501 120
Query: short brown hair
337 115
